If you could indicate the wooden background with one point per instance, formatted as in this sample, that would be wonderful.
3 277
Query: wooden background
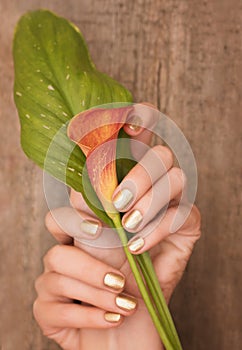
184 56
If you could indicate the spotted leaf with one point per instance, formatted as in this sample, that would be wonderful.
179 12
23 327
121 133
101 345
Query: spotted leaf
55 79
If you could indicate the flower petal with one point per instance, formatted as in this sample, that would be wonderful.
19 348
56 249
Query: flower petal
96 132
91 128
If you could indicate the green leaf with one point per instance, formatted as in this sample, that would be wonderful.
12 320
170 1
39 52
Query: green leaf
54 80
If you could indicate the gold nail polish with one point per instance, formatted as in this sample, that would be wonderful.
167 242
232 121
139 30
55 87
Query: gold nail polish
122 199
134 127
135 123
112 317
89 227
126 302
136 244
133 220
114 281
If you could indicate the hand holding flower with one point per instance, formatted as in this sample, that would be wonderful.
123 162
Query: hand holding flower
170 253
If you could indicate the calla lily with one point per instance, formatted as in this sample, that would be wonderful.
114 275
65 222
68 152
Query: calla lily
96 131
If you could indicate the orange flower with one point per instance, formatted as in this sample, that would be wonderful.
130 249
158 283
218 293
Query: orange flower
96 131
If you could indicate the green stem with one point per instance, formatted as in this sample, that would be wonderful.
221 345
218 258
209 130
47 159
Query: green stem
151 279
142 287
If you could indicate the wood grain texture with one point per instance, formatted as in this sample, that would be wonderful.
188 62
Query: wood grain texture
186 58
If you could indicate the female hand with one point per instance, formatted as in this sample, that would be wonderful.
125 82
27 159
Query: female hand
112 314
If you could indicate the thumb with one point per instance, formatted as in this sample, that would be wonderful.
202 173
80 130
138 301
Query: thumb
67 223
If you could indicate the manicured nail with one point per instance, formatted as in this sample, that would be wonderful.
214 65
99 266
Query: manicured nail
136 244
112 317
133 220
134 123
89 227
126 302
134 127
122 199
114 281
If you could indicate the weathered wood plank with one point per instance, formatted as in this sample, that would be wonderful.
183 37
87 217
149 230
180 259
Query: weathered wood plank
185 57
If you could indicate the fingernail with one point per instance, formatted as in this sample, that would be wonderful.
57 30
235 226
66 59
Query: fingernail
122 199
126 302
136 244
134 123
134 127
89 227
114 281
133 220
112 317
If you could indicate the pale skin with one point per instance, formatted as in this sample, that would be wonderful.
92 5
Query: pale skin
76 271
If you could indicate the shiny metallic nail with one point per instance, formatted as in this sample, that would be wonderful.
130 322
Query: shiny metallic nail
126 302
134 123
136 244
114 281
112 317
134 127
133 220
89 227
122 199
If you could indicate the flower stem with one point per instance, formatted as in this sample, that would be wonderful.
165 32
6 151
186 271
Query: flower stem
151 279
166 337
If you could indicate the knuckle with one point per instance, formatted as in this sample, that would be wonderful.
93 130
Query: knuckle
60 284
38 283
40 316
48 221
196 220
37 310
164 153
179 175
169 155
53 257
192 225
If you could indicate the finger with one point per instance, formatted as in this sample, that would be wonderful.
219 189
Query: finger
75 263
162 227
139 145
68 315
52 286
139 126
144 116
67 223
156 162
163 191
